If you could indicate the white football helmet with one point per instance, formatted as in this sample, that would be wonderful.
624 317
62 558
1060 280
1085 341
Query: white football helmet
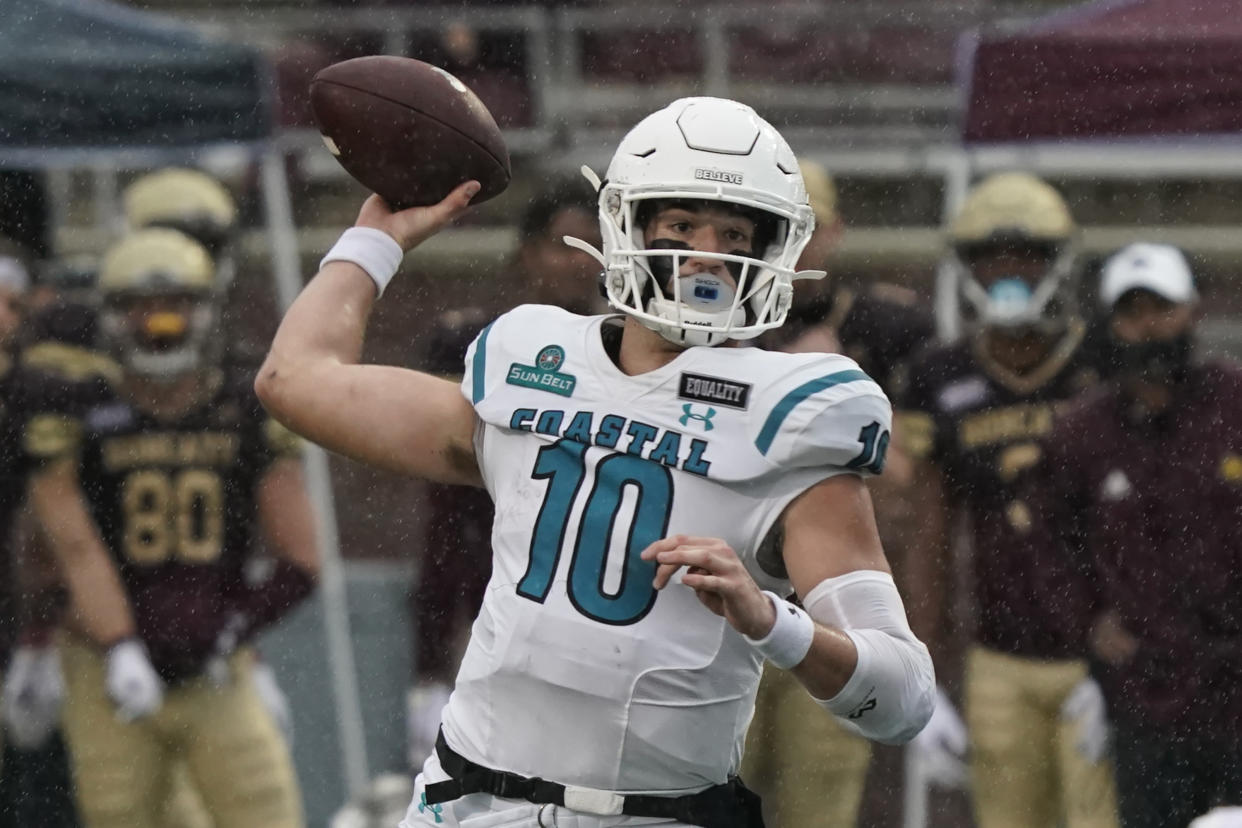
706 149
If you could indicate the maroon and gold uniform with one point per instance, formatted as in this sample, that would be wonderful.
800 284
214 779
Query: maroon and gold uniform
175 504
981 426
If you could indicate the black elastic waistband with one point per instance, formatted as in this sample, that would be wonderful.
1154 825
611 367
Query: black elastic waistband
730 805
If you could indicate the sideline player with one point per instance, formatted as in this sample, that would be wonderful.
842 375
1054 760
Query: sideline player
974 413
612 670
150 486
35 787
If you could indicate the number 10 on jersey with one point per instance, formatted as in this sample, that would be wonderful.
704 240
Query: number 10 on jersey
650 487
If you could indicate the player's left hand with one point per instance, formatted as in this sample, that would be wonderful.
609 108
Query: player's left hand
133 685
718 578
941 746
34 691
1086 708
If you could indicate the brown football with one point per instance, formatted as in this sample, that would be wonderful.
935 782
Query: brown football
408 130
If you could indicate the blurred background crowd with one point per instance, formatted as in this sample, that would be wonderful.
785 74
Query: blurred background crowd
1120 122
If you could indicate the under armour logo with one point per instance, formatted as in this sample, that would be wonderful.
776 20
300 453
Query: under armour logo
423 807
870 704
857 712
690 414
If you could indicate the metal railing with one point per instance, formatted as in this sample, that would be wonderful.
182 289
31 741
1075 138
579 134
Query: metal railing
568 102
566 99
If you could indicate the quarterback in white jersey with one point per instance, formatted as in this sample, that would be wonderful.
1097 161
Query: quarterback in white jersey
587 467
659 493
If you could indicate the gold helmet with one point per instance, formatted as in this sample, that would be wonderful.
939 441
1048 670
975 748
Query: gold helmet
821 191
158 294
186 200
1018 214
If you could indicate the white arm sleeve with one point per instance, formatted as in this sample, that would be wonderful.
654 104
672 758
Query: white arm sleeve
892 693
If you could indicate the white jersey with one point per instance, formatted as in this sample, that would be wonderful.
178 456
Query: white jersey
577 670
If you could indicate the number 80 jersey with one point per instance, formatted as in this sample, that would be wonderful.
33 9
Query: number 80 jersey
577 670
174 502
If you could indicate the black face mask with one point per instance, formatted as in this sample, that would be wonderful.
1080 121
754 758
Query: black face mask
1163 362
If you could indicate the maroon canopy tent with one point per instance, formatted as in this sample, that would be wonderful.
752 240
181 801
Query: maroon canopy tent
1110 70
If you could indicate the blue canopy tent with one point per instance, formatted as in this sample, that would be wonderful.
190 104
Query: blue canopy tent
78 75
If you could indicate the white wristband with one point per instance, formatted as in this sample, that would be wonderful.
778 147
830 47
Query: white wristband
373 250
789 640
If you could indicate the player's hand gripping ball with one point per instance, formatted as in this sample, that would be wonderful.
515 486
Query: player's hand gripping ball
407 130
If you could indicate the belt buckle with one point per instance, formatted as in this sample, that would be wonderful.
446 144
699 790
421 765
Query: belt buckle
593 801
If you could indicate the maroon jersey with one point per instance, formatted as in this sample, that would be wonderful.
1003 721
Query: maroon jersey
1154 508
981 426
175 505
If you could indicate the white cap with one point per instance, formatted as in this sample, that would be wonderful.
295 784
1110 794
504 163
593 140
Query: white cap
1160 268
13 275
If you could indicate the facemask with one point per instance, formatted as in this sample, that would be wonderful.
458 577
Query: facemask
1162 362
1009 301
702 298
662 266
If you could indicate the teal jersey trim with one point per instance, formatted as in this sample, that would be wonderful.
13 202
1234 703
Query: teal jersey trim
479 369
790 401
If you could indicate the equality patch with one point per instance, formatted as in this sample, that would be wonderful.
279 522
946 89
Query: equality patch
714 390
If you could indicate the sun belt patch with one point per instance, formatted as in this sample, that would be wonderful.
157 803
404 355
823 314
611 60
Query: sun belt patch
545 374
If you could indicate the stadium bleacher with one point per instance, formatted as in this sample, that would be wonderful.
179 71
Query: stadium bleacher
866 87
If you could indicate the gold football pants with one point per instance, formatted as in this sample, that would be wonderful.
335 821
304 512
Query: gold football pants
809 770
236 759
1025 772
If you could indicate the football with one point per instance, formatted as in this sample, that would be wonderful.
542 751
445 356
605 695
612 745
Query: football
407 130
